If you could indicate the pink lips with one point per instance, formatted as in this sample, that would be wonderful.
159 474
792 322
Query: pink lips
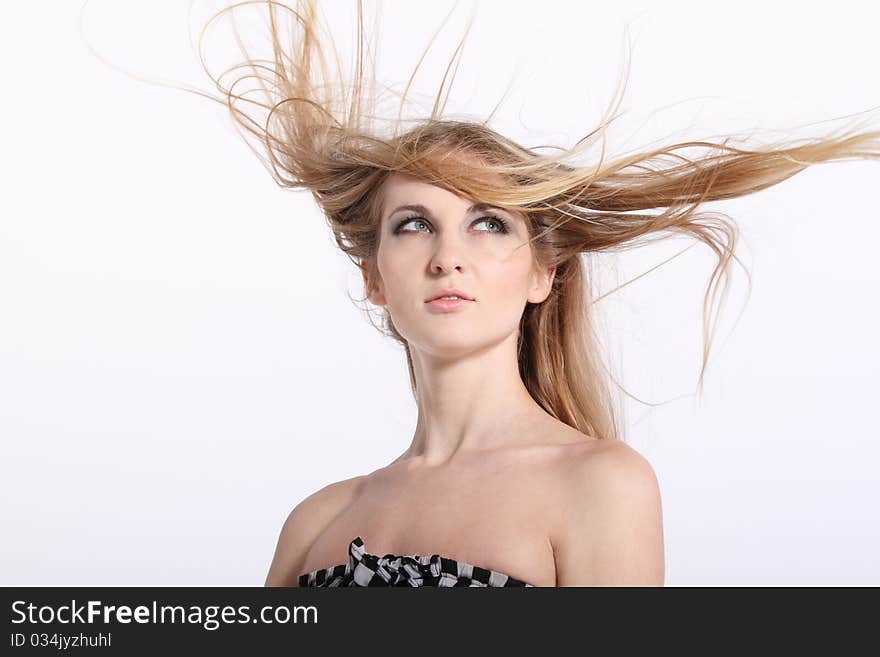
447 305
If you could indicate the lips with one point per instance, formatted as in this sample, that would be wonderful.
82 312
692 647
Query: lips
450 292
448 305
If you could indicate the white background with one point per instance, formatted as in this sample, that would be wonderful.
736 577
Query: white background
180 363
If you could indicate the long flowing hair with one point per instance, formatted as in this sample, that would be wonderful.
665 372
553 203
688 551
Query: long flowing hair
314 130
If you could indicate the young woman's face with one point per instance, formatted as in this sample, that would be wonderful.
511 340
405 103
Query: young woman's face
450 244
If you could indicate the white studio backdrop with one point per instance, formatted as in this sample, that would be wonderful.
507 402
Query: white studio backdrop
180 363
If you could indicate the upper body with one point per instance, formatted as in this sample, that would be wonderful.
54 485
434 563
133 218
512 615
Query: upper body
566 510
491 478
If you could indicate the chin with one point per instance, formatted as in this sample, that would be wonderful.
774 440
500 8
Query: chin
449 344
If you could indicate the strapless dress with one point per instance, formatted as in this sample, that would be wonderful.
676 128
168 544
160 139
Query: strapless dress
365 569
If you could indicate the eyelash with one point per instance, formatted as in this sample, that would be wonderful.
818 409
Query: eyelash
505 227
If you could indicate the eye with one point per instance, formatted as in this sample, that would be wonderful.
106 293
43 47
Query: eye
503 226
403 223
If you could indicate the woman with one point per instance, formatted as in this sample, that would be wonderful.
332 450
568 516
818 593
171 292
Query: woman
517 474
491 479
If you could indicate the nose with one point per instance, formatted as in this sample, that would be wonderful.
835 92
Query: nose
447 255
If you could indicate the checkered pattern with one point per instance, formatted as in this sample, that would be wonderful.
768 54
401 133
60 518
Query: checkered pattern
365 569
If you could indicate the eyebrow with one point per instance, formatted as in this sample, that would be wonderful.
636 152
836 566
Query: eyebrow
418 207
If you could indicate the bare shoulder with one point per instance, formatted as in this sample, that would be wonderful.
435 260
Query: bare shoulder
303 525
611 527
607 461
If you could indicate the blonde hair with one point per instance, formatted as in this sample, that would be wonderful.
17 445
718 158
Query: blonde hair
320 135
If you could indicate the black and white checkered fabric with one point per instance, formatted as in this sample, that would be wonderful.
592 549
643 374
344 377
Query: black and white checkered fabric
365 569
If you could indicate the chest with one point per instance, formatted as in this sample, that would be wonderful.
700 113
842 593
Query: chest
490 516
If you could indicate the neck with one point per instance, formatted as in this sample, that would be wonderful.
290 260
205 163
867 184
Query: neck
470 403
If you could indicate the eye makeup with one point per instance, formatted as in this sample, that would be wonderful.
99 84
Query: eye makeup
503 230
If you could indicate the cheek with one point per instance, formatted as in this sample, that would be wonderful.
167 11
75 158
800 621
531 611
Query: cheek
512 286
505 291
399 276
512 278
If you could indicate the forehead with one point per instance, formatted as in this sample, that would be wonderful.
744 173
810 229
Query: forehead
400 189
